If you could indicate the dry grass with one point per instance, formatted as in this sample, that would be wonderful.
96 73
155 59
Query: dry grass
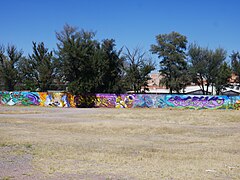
123 143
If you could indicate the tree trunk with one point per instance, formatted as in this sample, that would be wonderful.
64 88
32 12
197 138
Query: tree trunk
10 86
207 89
212 89
202 84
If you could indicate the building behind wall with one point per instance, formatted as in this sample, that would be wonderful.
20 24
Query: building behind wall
232 89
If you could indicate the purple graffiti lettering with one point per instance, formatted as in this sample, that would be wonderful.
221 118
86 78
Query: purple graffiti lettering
199 102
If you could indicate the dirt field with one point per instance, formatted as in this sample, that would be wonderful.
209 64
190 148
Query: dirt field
58 143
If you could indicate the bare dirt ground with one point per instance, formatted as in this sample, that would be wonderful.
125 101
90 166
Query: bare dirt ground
61 143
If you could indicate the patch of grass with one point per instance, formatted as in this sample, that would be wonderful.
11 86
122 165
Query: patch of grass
28 145
6 141
7 178
27 174
3 144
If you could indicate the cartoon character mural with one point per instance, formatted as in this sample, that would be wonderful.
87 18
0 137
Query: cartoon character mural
129 100
55 99
124 101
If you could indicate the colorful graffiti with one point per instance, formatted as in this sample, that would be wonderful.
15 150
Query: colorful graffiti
124 101
104 100
208 102
56 99
19 98
234 102
85 101
237 105
150 101
63 99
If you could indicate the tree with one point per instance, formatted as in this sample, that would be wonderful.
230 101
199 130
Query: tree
205 66
26 75
2 59
9 66
107 67
75 52
221 80
235 61
215 66
198 59
137 67
85 64
170 49
41 67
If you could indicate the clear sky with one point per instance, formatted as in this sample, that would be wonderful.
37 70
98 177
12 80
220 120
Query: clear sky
210 23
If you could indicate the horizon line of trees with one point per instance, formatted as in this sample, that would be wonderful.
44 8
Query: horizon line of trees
84 65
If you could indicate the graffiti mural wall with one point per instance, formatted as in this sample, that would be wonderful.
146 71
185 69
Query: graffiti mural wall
57 99
193 102
19 98
66 100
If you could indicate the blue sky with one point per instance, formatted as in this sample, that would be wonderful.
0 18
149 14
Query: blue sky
210 23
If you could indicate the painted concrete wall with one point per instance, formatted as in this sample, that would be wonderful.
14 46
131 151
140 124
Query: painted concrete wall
62 99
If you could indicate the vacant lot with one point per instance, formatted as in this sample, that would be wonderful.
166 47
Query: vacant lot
58 143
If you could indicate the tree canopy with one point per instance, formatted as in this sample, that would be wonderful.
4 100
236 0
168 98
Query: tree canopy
81 64
208 67
9 66
235 61
137 67
85 64
170 49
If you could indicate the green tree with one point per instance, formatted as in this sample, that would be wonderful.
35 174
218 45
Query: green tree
107 67
137 67
170 49
224 73
26 74
205 66
235 61
9 66
75 53
41 67
198 59
216 64
85 64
